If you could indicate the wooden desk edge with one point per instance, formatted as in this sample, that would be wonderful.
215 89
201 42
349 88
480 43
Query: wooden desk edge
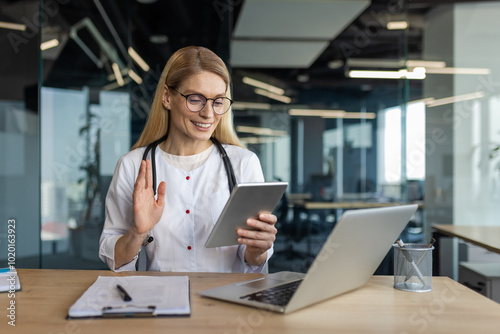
445 229
309 205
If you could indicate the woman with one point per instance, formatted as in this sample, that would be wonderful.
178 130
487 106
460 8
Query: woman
190 108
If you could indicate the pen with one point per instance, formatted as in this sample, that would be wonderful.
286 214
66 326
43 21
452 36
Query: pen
420 259
125 295
148 241
409 259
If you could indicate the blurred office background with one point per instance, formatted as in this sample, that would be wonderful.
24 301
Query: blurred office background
359 101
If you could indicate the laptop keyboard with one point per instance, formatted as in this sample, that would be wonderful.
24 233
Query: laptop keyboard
278 295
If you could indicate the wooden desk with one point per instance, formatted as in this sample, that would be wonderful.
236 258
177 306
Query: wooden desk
487 237
301 205
42 305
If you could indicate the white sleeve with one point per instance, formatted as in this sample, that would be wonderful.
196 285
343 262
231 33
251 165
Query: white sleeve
119 213
241 266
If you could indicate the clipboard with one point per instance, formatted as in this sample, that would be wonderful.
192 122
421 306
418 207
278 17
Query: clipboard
151 296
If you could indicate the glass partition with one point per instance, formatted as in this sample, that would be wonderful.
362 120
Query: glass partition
19 136
85 125
377 113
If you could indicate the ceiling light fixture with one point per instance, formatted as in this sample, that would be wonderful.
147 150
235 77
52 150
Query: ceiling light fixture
418 73
303 78
250 105
134 76
257 140
260 131
12 26
112 76
375 63
263 85
425 63
118 75
114 85
49 44
335 64
425 100
397 25
358 115
328 113
317 112
455 99
135 56
281 98
458 70
158 39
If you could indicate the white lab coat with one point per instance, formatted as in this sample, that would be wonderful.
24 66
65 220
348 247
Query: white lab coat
193 202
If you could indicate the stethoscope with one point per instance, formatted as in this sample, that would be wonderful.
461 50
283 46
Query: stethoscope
231 179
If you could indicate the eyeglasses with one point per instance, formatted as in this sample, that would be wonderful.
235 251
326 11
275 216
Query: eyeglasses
196 103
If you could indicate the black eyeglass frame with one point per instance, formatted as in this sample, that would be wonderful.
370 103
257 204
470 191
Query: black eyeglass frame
206 100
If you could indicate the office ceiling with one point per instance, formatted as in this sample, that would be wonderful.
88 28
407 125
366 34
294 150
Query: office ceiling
288 34
302 46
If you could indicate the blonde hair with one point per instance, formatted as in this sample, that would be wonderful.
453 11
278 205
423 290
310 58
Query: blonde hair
181 65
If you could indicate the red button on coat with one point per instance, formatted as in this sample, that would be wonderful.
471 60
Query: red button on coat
189 247
187 177
187 211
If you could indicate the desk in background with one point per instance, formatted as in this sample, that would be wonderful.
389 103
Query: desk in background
347 205
43 303
487 237
484 277
305 205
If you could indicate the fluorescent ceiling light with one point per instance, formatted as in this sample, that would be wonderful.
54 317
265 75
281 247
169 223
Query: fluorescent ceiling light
260 131
358 115
115 84
12 26
455 99
118 75
371 62
257 140
458 70
281 98
334 64
426 100
251 105
158 39
49 44
112 76
316 112
425 63
393 63
397 25
418 73
134 76
263 85
135 56
328 113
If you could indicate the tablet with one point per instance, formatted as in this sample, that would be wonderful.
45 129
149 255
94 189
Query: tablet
246 201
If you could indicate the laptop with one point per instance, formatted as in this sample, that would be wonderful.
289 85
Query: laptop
353 251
